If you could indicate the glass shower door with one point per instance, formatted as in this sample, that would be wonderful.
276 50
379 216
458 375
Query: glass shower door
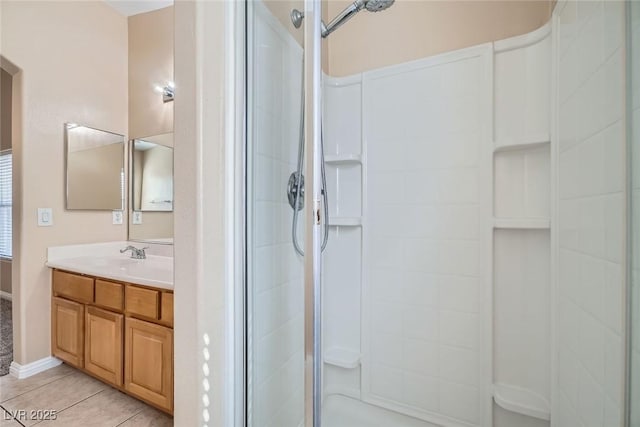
275 287
281 361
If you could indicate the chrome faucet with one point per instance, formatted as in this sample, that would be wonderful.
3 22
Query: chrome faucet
135 252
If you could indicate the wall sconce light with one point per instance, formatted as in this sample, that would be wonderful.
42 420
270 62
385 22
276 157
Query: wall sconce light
168 91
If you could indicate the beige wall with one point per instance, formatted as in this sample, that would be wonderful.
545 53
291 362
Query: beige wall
151 42
73 62
412 29
187 386
150 65
155 227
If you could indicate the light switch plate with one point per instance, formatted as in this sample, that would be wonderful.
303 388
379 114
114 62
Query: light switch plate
117 217
45 217
137 217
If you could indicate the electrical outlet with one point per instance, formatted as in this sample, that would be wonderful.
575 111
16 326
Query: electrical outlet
45 217
117 217
137 217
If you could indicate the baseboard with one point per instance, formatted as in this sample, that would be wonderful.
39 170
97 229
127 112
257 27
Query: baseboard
6 295
25 371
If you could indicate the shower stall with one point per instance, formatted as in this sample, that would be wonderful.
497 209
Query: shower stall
446 240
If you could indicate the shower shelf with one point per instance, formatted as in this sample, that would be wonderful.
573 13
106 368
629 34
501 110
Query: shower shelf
527 144
345 221
521 401
342 358
522 223
337 159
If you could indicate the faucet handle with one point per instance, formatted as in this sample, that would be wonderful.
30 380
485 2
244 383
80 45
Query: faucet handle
135 252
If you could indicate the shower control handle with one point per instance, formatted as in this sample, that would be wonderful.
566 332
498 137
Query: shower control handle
296 182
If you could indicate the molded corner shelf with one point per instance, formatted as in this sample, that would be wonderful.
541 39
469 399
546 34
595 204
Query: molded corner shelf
521 401
528 144
522 223
337 159
342 358
346 221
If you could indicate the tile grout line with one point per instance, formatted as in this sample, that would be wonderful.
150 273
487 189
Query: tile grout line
74 404
131 417
12 417
36 388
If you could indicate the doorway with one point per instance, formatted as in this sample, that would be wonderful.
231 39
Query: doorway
6 202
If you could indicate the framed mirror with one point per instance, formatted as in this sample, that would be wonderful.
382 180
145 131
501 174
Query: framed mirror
94 168
151 216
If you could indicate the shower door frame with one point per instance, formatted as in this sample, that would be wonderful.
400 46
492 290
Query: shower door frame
236 127
312 60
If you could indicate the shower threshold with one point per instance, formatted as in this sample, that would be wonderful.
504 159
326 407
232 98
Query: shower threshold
342 411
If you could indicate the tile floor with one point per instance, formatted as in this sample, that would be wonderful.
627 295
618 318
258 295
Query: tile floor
78 399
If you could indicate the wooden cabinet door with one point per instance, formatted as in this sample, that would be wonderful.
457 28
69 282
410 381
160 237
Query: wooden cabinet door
148 362
103 344
67 331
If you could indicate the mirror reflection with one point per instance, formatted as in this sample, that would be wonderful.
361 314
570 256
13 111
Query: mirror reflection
95 168
151 207
152 174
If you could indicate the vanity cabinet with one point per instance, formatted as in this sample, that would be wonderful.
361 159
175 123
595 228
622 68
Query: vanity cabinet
148 359
103 344
120 333
67 331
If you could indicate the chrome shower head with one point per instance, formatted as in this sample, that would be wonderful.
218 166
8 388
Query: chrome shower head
345 15
377 5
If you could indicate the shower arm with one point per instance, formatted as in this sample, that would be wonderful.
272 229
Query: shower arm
343 17
355 7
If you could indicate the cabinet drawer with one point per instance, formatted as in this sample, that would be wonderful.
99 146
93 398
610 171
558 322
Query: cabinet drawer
73 286
142 302
166 308
109 294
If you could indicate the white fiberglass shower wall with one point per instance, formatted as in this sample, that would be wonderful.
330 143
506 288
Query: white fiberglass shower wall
591 213
437 275
404 274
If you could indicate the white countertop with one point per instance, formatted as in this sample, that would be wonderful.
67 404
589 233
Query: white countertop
105 260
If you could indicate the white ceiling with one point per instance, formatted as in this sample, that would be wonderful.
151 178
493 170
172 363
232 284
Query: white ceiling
134 7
